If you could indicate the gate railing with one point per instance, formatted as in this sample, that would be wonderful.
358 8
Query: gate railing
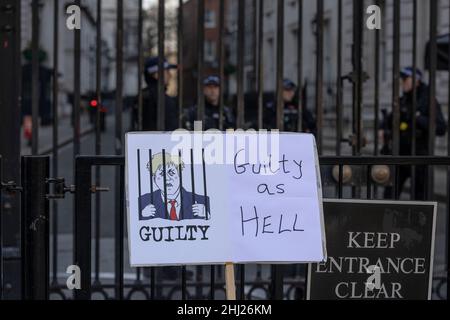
274 287
35 195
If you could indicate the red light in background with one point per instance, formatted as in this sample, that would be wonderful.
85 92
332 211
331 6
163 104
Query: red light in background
93 103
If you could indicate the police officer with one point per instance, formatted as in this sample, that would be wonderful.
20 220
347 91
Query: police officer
150 98
211 91
149 122
421 118
290 112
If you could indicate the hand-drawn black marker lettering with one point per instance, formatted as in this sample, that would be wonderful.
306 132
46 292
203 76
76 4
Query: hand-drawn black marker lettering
299 164
241 166
262 188
248 220
295 223
270 166
266 225
280 188
256 166
279 228
283 163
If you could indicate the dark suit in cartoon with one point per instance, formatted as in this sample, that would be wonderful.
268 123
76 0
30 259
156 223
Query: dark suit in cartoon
187 200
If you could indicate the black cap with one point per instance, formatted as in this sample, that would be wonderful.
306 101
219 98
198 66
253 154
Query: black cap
409 72
151 65
211 81
289 84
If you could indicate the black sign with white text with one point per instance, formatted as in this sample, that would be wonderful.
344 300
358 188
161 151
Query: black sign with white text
376 250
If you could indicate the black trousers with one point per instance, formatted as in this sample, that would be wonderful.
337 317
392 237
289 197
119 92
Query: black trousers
403 174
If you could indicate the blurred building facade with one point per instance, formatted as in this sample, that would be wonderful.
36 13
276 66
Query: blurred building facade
330 36
88 46
190 44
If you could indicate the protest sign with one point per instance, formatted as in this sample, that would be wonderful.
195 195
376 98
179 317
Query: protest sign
376 250
211 198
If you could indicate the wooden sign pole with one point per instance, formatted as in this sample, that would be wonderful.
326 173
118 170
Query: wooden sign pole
230 286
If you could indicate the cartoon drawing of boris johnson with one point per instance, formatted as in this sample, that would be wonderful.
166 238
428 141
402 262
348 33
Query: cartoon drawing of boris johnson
181 204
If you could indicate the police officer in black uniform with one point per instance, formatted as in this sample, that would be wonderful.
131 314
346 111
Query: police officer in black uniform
290 99
421 118
211 91
149 123
290 114
150 98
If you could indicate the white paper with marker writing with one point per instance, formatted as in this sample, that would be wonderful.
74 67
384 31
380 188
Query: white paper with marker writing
290 221
289 227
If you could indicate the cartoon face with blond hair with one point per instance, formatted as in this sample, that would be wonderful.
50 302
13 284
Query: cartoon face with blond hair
170 200
173 165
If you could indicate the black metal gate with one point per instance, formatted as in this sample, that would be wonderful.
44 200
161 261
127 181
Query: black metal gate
35 192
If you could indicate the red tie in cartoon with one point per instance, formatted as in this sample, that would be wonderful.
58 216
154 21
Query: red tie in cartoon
173 211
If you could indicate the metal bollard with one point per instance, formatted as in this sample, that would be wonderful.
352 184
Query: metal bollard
35 228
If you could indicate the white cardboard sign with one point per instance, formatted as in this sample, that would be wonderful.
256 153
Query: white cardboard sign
210 198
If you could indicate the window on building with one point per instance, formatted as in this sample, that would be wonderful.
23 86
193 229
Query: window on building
210 19
269 8
210 51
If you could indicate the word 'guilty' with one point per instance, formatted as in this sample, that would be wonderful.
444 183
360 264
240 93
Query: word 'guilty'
176 233
284 166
